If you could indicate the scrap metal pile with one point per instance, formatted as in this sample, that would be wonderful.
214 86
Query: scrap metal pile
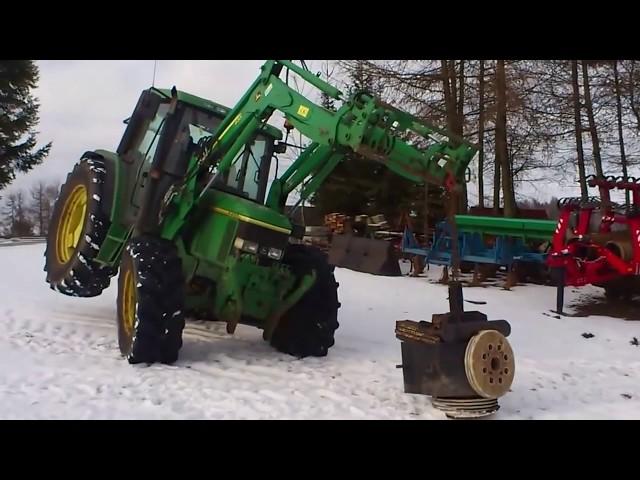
462 360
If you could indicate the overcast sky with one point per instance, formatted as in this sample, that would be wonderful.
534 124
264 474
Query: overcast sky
83 104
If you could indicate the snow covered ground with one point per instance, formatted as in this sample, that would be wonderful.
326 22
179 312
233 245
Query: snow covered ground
59 357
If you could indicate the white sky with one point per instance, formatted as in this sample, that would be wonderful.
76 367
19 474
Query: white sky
84 102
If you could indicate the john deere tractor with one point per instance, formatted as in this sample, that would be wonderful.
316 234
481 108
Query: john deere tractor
186 212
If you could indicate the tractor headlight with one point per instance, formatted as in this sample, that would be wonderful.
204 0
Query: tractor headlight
275 253
246 245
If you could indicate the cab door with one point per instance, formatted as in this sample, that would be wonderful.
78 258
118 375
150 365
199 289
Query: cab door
137 148
146 150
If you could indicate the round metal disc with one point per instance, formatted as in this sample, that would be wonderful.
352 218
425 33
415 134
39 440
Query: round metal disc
466 408
489 364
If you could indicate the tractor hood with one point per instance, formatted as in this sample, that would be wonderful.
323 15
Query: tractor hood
246 211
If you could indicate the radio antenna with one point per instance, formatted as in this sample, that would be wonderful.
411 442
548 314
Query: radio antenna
155 65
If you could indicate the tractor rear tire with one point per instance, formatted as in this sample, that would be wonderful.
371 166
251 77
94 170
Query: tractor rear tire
150 301
77 229
617 290
307 328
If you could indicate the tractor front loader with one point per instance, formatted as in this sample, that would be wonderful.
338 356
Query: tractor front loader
182 210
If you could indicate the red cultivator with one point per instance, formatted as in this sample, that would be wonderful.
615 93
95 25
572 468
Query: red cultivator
598 242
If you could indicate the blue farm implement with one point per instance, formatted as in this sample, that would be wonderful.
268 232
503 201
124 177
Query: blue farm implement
490 242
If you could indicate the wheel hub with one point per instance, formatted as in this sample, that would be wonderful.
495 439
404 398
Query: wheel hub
489 364
71 224
129 303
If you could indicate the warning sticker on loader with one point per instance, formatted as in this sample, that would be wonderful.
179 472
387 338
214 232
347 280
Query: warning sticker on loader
303 111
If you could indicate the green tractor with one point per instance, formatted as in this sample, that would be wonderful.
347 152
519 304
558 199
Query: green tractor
186 212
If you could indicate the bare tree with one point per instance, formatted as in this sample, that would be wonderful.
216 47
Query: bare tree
578 129
623 156
481 120
634 79
502 153
51 194
18 222
593 130
529 117
38 206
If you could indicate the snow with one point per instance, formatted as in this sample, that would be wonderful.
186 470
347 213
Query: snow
59 357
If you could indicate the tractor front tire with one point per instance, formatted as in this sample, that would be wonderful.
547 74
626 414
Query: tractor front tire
77 229
151 298
307 328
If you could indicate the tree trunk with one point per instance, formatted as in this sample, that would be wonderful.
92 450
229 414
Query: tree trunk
597 159
454 104
632 91
584 193
40 215
36 208
463 197
623 156
449 99
502 152
496 186
481 136
426 213
461 97
11 212
497 177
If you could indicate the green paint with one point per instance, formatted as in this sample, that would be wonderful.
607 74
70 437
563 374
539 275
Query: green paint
203 220
514 227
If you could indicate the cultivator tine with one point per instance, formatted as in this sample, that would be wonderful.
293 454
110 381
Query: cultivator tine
417 266
445 275
476 280
511 280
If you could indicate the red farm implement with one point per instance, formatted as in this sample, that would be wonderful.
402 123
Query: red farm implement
597 241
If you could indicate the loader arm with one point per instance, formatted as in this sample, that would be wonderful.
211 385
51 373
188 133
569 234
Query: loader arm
363 125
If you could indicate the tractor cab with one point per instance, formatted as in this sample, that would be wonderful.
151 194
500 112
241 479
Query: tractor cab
163 133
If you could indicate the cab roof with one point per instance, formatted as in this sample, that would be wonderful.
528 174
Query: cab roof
212 107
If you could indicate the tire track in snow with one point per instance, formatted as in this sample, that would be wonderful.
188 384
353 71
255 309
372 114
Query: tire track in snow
57 334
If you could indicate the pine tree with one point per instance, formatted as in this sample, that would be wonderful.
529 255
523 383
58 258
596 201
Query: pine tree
18 118
18 222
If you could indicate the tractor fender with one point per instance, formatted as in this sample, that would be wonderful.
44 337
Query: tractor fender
110 161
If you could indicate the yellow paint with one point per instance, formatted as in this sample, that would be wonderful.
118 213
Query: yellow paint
128 303
71 223
303 111
232 124
253 221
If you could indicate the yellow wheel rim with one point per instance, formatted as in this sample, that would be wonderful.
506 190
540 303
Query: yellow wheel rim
71 223
128 302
